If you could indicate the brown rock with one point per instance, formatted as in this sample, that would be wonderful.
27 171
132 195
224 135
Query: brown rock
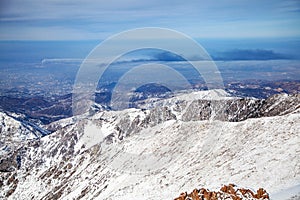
261 193
194 195
182 196
227 192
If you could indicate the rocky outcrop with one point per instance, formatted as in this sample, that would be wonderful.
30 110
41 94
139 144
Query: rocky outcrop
235 110
224 109
221 106
10 162
228 192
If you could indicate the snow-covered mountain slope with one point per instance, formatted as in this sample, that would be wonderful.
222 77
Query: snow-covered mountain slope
292 193
13 133
158 153
14 129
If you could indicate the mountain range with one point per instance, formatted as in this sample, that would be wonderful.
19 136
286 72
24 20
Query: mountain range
156 150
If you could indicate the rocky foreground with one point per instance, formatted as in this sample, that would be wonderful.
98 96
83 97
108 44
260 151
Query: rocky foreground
227 192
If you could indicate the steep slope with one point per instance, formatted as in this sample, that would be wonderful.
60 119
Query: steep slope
14 129
200 106
157 153
12 135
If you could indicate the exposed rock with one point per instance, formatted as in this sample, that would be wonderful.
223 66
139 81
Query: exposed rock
227 192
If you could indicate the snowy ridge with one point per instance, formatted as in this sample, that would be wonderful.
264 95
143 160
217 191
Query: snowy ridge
13 133
10 126
157 153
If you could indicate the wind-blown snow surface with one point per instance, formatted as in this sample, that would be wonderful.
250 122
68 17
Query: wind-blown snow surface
156 154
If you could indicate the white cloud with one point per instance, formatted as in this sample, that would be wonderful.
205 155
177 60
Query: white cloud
94 19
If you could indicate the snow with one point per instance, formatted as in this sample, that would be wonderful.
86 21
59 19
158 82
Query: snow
292 193
253 153
162 160
167 159
12 133
207 94
217 94
92 135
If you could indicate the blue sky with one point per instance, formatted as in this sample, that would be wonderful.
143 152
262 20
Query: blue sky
99 19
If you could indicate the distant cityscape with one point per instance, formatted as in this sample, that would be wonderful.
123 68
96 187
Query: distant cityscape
44 93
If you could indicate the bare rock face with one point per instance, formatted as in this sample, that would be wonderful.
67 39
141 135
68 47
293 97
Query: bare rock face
235 110
10 162
227 192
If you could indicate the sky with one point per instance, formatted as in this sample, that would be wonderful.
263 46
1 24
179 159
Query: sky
99 19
